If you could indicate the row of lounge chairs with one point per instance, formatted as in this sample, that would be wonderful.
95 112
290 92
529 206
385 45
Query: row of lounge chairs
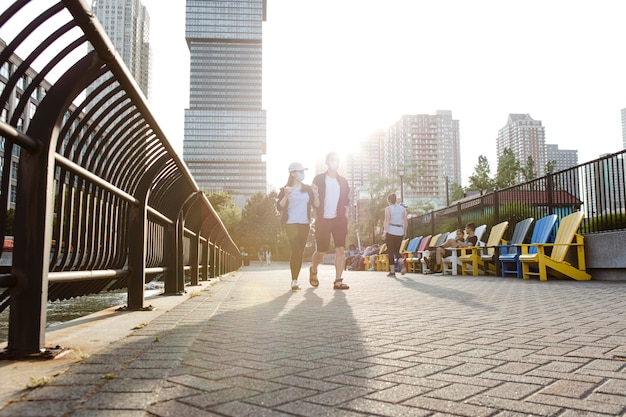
545 254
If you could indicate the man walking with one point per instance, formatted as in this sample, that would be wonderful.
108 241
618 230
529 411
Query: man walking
331 220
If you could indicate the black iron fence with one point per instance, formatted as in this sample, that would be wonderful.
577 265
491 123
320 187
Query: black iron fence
101 200
598 188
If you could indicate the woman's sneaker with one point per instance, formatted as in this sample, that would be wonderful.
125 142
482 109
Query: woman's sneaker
294 285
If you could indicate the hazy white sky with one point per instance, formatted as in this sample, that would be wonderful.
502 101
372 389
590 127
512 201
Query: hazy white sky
337 70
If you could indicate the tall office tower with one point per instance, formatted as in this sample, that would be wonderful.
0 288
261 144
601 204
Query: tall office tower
563 158
525 137
432 144
225 130
624 128
127 23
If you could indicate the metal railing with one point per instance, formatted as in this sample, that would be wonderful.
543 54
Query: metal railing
598 188
102 201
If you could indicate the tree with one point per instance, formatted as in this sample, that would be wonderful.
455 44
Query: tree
508 169
379 188
550 167
456 192
260 225
224 205
529 170
480 180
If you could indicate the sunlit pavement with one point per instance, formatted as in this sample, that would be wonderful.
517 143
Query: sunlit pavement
411 346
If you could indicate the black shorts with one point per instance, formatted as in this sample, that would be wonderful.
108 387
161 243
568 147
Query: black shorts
325 228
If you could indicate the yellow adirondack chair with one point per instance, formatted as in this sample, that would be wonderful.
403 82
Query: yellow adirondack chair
382 263
555 263
451 263
435 241
413 260
367 262
471 256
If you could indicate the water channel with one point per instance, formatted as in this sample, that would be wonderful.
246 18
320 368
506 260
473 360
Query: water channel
61 311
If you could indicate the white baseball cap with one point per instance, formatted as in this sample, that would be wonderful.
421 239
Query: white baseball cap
296 166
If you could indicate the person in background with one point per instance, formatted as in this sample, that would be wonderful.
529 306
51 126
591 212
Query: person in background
457 242
331 220
295 201
352 254
261 255
370 252
394 229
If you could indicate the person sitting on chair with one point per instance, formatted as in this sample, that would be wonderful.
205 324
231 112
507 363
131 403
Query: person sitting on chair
455 242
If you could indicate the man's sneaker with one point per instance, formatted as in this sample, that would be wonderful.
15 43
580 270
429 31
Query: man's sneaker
294 285
391 275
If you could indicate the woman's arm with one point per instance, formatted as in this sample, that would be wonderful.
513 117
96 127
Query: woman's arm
387 220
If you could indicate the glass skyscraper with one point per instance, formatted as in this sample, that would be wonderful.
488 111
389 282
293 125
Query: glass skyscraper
127 24
225 129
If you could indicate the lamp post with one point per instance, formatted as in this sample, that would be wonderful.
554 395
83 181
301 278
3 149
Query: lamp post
447 193
401 173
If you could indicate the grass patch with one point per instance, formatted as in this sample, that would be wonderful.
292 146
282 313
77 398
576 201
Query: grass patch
79 355
38 382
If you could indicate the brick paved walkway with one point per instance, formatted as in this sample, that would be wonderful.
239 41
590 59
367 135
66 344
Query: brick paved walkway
411 346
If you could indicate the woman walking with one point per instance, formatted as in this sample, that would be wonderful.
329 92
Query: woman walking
295 201
394 229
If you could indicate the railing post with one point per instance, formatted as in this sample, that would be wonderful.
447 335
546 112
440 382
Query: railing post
170 259
180 253
138 237
432 222
212 260
496 206
549 190
194 258
205 260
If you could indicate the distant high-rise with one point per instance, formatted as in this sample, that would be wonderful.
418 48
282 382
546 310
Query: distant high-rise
365 160
225 128
525 137
563 158
432 144
127 24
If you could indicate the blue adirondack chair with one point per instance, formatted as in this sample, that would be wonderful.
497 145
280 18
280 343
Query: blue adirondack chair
542 232
411 248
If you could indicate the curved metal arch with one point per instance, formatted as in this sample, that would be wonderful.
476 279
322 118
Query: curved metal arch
172 195
42 74
89 121
192 200
209 232
109 139
29 28
145 150
170 183
119 147
90 137
71 136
